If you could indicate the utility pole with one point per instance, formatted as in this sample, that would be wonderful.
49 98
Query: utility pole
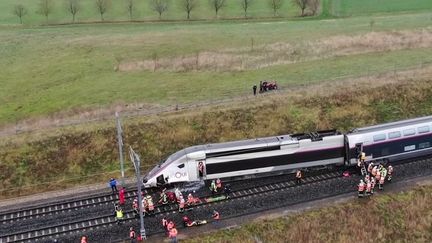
137 163
120 145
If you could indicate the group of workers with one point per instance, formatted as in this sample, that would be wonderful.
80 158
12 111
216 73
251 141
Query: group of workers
165 197
375 173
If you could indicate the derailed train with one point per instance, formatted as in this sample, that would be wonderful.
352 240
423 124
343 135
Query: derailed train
391 141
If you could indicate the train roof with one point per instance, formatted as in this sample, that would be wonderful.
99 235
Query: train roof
391 125
261 142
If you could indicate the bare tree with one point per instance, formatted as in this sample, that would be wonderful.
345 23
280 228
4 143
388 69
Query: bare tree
102 6
19 10
275 5
245 5
302 4
160 6
45 8
188 6
130 6
217 5
73 7
313 5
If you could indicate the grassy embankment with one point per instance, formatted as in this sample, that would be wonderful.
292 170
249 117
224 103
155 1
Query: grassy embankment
402 217
83 156
71 69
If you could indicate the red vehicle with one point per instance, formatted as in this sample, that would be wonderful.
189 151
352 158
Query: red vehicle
268 85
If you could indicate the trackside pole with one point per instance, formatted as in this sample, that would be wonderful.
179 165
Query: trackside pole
120 145
137 163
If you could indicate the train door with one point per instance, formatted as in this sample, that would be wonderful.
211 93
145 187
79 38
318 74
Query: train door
347 151
201 169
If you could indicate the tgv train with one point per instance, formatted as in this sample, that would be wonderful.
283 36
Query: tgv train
391 141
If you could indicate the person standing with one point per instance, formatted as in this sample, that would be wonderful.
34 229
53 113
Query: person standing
201 169
132 235
389 173
119 215
361 188
213 188
173 235
84 239
218 185
216 217
298 176
113 184
122 196
254 88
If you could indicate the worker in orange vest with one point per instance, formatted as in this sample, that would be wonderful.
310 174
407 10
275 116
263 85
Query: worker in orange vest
84 239
368 187
381 182
372 180
216 217
377 176
170 226
122 196
132 235
173 235
361 188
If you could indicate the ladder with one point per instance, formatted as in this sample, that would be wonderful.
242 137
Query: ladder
363 170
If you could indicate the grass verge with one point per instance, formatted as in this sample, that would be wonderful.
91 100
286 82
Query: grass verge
89 156
401 217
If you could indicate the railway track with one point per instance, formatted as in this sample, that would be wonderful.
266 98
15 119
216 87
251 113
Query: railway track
108 219
79 225
85 202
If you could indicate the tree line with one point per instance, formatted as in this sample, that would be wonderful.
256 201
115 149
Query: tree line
74 7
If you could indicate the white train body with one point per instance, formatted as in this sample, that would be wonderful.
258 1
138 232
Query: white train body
247 157
396 140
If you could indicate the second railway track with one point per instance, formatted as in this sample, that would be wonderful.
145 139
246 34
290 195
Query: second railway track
104 220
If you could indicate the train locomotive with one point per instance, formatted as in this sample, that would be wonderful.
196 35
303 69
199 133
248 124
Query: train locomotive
391 141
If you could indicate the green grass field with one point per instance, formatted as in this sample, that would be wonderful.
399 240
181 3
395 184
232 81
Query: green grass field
233 9
66 68
362 7
397 217
143 11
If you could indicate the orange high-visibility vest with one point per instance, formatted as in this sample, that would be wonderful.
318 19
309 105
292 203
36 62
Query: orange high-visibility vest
378 175
216 216
132 234
368 186
361 187
173 233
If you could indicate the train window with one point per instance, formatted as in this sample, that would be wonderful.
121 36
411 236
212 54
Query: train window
423 129
181 166
409 132
392 135
379 137
424 145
